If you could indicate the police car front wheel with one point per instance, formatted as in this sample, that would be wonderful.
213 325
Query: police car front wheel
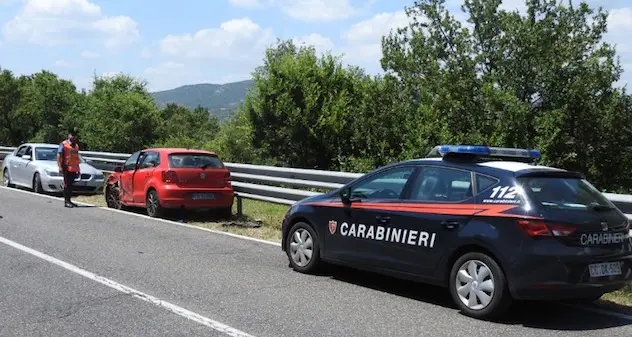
302 248
478 286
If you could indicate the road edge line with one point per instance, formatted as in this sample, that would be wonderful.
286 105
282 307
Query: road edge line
180 311
166 221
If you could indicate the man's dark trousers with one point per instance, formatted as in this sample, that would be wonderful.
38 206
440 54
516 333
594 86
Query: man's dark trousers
69 179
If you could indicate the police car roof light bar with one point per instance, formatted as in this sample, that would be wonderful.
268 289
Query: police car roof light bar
482 151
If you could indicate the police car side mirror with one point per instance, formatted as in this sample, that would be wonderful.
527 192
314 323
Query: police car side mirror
26 157
345 195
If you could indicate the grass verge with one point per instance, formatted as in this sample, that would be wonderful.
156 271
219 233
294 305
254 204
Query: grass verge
620 298
267 215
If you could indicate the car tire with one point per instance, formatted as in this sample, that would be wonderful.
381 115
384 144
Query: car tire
152 205
6 178
303 248
225 212
37 184
492 283
113 197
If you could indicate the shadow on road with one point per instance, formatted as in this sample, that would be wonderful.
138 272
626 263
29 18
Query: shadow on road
532 314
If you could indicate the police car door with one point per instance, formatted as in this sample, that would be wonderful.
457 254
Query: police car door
441 202
364 223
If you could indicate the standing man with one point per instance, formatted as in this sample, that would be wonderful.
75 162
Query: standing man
68 164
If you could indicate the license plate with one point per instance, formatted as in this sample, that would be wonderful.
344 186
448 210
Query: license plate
202 196
80 183
605 269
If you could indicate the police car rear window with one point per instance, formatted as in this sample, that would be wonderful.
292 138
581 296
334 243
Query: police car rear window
194 160
563 193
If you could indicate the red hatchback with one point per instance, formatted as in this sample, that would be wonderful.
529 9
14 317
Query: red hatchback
171 178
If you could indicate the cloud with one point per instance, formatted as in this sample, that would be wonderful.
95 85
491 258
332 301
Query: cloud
319 42
89 54
364 39
60 22
62 64
247 4
318 10
235 40
145 53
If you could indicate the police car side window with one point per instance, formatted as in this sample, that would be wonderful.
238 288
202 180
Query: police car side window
484 182
442 184
385 185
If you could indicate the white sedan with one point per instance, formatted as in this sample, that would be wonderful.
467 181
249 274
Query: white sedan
34 166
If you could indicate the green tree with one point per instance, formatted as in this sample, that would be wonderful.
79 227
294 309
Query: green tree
50 101
182 125
234 140
14 126
120 115
543 79
300 105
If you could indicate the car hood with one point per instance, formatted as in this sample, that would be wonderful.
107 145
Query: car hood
318 197
52 165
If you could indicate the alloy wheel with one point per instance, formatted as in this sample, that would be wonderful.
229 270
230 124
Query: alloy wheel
475 284
301 247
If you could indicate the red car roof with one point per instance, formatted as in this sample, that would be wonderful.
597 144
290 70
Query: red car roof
179 150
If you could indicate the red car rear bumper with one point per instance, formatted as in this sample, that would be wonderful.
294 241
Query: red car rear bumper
178 197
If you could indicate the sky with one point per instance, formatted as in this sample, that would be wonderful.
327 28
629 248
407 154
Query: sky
174 43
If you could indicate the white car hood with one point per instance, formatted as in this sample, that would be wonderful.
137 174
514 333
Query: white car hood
52 165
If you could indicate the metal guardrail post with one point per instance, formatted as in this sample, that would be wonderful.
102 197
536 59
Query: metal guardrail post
240 205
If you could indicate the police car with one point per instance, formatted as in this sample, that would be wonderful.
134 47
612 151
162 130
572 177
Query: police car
486 222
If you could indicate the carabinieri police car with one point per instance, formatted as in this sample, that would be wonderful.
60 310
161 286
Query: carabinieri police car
486 222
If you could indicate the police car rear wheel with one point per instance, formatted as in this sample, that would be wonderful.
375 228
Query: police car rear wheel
303 248
478 286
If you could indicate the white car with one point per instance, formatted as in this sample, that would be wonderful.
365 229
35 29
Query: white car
34 166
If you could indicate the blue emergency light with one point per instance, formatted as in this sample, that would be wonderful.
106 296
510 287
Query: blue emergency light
481 151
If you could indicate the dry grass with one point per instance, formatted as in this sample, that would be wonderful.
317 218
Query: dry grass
267 215
622 297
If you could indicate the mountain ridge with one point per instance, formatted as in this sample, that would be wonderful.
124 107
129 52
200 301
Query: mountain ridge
220 99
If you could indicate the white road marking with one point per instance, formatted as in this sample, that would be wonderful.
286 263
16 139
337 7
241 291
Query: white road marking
595 310
215 325
243 237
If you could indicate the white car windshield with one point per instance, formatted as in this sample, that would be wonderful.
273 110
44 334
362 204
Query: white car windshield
49 154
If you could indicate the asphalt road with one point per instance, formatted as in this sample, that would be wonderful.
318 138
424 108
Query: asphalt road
244 284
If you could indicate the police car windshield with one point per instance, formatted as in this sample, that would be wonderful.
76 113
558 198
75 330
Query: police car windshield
564 193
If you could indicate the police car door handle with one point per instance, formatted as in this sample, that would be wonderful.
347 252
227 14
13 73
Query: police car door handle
383 219
450 224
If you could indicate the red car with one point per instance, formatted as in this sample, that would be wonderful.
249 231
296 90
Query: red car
171 178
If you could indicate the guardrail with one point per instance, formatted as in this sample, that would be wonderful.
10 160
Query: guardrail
276 184
257 182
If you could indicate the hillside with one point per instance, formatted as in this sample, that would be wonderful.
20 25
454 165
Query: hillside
220 99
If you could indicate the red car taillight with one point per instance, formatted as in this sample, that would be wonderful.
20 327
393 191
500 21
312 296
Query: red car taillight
227 180
169 177
540 228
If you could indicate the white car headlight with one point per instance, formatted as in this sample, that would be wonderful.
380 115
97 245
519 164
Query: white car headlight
52 173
